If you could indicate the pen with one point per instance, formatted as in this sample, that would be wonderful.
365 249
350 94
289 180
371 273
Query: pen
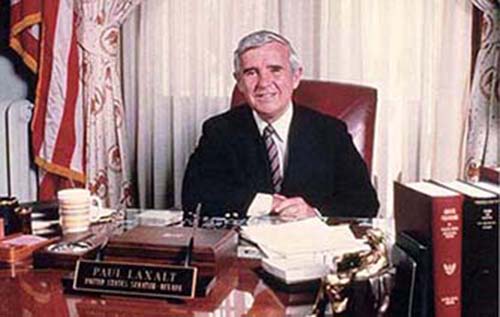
189 251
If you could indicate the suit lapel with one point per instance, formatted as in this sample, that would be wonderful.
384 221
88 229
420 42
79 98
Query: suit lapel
254 156
300 145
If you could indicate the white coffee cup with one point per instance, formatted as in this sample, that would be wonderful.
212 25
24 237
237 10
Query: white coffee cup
77 209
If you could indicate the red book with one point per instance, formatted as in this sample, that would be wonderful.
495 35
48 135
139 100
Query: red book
490 174
479 248
434 215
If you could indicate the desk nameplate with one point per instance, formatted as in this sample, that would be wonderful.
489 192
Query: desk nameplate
167 281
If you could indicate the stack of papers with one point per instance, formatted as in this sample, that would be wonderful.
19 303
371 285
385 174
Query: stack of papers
292 271
302 250
306 237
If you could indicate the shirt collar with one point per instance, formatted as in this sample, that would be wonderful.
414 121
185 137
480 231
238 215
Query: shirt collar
281 125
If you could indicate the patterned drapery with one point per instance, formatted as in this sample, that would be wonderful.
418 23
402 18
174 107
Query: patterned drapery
484 116
107 169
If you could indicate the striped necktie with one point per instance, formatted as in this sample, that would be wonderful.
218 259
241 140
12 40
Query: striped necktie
274 161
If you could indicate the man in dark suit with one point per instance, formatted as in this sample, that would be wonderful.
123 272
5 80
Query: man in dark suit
272 155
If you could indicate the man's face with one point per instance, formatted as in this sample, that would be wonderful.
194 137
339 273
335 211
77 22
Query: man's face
266 79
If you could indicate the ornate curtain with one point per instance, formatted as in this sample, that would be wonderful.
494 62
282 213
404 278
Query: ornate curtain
484 114
107 167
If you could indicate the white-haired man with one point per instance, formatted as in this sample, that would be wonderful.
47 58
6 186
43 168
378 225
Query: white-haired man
272 155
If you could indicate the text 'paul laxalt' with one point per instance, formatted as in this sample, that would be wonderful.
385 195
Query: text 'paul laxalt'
163 281
133 278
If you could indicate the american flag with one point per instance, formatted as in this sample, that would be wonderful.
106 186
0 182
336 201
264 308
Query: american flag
43 33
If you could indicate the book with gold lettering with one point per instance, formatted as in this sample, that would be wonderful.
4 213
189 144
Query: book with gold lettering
479 248
212 249
435 213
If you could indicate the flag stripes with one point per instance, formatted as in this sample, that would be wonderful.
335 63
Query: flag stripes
57 125
25 17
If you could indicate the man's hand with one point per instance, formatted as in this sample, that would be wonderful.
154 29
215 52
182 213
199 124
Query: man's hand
291 208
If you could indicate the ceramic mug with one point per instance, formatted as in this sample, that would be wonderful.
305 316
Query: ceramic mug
77 209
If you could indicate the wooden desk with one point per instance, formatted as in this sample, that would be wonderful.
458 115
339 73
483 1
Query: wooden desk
241 291
28 292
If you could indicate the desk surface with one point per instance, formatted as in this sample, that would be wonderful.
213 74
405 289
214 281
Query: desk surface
28 292
241 291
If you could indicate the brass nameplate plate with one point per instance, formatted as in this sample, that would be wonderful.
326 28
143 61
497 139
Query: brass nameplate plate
167 281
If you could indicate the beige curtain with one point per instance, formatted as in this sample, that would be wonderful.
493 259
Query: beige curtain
484 114
108 170
417 55
178 65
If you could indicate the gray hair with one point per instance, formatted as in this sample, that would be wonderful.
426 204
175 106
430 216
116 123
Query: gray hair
258 39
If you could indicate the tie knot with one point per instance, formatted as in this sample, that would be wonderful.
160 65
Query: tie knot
268 131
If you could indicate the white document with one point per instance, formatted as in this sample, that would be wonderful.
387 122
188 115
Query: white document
295 270
261 205
306 238
302 250
156 217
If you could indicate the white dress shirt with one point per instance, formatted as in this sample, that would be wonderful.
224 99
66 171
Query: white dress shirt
262 203
280 138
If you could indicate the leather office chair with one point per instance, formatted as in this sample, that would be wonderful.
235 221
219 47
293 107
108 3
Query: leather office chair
354 104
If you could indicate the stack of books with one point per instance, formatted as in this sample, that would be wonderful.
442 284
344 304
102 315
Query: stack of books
449 234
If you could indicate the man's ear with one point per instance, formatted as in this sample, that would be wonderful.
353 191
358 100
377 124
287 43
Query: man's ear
238 81
296 77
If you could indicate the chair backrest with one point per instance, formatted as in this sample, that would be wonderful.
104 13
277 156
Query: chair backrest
354 104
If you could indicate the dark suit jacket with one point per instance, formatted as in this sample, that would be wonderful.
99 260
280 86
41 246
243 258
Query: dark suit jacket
230 165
